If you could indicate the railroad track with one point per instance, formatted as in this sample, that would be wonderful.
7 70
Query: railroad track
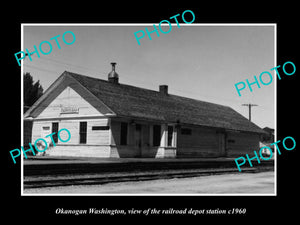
103 178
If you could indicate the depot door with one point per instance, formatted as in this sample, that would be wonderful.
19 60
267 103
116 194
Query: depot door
222 143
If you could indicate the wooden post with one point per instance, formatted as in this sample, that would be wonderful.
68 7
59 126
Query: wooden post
174 136
164 135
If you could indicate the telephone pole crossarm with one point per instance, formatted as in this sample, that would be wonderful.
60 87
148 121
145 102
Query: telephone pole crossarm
249 105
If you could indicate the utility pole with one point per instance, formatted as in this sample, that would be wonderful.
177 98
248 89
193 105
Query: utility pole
249 105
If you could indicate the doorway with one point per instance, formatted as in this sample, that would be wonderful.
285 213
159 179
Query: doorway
222 144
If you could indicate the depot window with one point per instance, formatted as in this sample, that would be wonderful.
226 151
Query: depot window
100 127
82 132
55 130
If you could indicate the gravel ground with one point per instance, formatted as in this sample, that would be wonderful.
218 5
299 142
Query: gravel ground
234 183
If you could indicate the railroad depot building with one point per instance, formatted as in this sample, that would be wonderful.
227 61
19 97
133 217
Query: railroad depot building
110 119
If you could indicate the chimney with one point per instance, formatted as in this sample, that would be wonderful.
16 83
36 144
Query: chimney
113 77
163 89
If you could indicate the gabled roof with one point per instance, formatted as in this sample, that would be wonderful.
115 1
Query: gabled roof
134 102
129 101
268 129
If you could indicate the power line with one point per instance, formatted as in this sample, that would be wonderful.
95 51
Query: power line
129 78
38 68
63 63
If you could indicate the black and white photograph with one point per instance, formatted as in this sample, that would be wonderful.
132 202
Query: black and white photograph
148 112
160 117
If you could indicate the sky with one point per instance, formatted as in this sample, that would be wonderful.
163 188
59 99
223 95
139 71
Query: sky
200 61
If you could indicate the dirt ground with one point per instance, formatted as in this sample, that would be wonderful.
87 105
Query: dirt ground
234 183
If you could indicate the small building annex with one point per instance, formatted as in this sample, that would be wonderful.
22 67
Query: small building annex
110 119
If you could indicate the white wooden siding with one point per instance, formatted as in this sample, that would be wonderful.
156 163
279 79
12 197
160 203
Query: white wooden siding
68 97
239 144
94 137
202 142
80 151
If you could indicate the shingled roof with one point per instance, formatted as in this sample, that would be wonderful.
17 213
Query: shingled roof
129 101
